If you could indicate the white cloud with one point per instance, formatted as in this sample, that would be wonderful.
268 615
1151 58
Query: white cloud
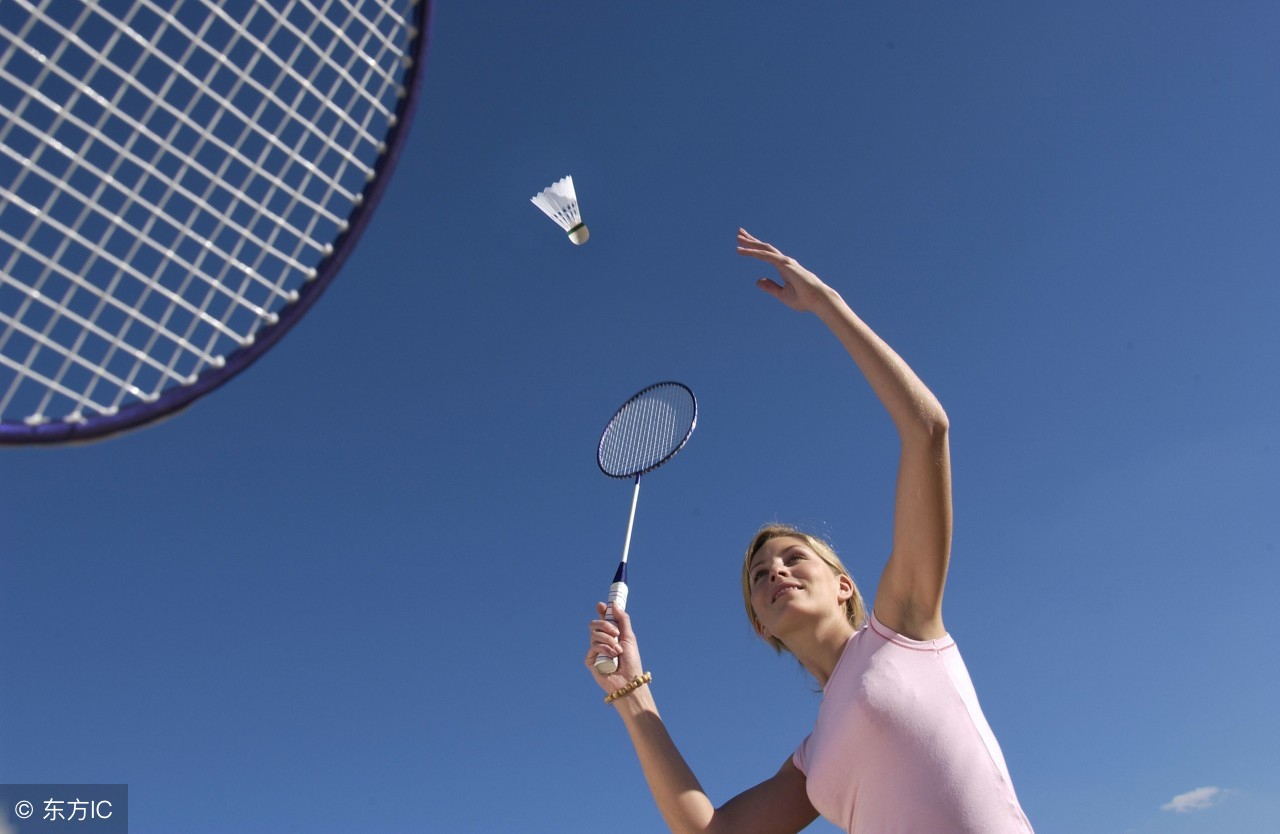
1196 800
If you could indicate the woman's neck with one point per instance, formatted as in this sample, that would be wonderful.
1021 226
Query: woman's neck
819 650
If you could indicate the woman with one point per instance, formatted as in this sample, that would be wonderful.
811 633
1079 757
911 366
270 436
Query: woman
900 743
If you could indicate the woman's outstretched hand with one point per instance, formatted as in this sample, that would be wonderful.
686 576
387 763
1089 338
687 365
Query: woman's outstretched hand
800 289
614 639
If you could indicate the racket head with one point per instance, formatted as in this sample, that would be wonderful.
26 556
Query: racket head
647 430
256 207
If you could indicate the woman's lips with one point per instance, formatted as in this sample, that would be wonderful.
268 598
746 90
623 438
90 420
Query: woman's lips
788 586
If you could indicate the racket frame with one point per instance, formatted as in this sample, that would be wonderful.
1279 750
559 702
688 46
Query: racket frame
636 473
137 414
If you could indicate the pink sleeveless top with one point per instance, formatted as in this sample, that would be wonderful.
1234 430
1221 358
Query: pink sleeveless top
901 745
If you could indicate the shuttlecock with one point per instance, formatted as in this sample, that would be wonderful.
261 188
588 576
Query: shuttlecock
559 202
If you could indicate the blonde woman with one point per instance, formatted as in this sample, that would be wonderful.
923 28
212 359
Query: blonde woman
900 743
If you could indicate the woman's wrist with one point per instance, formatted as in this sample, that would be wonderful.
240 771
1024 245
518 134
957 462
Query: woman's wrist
625 690
830 304
637 703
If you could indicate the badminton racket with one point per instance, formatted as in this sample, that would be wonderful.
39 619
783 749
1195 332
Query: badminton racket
645 433
179 182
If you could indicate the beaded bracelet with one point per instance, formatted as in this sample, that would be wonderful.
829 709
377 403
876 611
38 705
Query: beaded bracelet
636 683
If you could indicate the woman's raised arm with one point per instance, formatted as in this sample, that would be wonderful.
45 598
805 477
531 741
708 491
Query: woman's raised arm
909 597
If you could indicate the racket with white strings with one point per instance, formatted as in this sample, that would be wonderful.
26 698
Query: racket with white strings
645 433
179 182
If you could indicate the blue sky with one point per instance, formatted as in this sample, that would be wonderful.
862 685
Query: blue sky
349 591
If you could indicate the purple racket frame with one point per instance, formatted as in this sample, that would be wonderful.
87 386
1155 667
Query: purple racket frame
139 414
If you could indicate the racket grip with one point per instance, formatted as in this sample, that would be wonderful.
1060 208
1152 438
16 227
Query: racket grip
606 665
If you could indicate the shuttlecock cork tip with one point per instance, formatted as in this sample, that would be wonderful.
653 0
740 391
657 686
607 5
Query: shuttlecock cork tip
579 234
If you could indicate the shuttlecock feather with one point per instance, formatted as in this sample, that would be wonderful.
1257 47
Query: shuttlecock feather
559 202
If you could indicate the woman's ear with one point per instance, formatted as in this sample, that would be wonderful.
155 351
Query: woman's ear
845 589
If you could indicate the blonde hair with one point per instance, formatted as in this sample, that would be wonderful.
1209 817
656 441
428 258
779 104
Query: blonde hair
854 609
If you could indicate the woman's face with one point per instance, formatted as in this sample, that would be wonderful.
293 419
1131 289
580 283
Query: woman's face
791 584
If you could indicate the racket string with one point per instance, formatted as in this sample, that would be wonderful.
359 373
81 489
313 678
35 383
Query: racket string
647 430
236 217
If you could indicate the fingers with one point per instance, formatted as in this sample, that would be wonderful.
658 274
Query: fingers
594 652
768 255
772 288
623 620
756 248
605 629
746 237
606 638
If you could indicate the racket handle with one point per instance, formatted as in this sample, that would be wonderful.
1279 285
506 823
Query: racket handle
606 665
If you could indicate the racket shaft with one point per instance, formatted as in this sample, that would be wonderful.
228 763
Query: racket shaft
631 521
